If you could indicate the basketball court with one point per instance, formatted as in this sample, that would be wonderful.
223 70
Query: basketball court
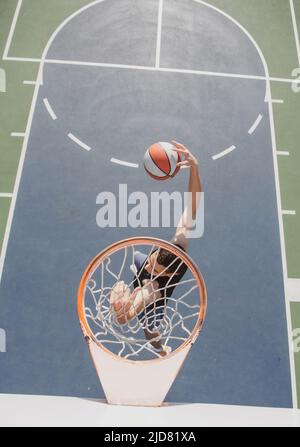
139 72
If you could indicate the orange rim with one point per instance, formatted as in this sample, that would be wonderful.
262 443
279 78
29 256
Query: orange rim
96 262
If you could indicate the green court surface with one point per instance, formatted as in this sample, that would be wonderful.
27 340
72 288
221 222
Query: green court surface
25 28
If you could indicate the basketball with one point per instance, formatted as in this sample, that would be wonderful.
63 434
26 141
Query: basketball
161 161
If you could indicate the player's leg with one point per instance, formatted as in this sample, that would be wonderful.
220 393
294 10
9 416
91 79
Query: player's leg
152 321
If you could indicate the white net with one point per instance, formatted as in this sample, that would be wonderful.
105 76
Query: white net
165 317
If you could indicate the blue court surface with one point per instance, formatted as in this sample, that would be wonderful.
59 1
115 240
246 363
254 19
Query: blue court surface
108 93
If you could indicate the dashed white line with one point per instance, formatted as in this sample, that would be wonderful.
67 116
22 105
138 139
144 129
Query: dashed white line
275 101
12 29
295 29
284 153
124 163
289 212
6 195
159 31
49 109
29 82
255 125
22 59
223 153
18 134
11 213
79 142
293 289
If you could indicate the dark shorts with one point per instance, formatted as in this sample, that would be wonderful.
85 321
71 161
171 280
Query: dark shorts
151 317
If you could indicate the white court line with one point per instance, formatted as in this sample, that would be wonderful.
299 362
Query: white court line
222 154
289 213
17 134
295 29
22 59
49 109
255 125
6 195
18 181
294 289
161 69
284 153
79 142
124 163
12 29
275 101
170 70
283 250
100 64
159 31
29 82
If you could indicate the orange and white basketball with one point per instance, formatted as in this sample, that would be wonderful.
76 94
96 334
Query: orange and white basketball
161 161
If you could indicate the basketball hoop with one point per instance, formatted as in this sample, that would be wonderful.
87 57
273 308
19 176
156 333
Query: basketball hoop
131 370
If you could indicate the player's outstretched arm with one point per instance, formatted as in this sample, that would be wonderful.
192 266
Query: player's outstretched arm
195 188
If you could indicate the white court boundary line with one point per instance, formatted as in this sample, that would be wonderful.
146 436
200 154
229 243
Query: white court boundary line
295 26
272 124
12 29
283 252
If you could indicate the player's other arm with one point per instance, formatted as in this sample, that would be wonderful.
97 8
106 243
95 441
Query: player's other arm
195 188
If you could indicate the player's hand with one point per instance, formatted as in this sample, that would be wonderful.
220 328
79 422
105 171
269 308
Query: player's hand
188 159
119 294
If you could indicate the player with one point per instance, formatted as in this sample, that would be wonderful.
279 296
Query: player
158 274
